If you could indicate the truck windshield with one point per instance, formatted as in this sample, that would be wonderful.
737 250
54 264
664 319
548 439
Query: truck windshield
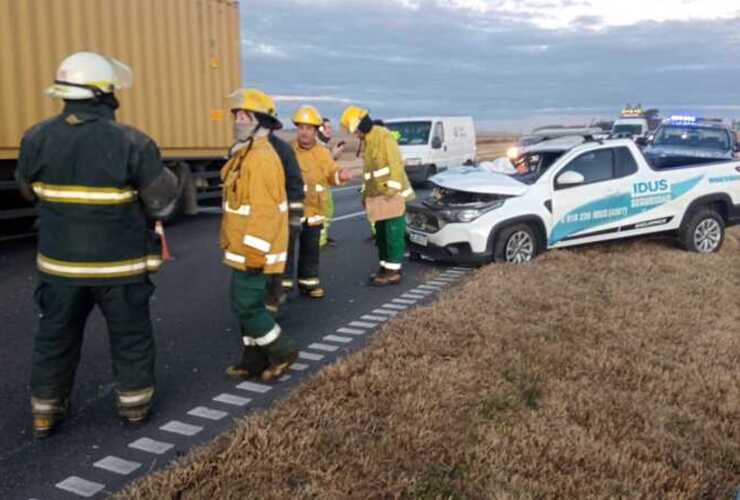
411 133
627 129
693 137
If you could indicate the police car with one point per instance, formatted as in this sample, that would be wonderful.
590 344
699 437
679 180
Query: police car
594 191
688 140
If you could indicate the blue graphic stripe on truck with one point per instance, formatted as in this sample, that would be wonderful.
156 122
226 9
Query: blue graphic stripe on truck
615 208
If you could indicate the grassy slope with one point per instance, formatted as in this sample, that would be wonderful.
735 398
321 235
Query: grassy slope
611 371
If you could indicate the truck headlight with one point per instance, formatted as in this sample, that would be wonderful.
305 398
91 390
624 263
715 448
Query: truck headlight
413 162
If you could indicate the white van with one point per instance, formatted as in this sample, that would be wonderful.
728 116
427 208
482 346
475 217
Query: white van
433 144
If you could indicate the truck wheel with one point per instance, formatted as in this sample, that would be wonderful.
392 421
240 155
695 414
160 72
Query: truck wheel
516 244
703 232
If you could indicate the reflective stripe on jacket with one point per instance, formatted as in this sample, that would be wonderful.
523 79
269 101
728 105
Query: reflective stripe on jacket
384 172
320 172
254 230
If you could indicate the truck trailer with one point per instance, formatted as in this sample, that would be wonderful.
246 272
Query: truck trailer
185 55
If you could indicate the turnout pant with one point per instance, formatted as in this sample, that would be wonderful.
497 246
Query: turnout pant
390 238
308 258
58 343
263 339
329 216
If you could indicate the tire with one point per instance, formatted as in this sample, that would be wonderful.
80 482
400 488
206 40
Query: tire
517 244
703 231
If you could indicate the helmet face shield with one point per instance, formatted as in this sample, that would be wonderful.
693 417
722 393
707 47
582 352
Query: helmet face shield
123 73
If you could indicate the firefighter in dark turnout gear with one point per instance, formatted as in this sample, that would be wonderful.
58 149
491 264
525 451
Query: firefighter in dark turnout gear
96 183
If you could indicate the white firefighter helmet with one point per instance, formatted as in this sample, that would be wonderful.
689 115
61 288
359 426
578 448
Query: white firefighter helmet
85 75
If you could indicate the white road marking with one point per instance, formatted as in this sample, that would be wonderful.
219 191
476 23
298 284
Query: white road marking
151 446
404 301
355 187
298 367
447 279
460 269
117 465
323 347
385 311
363 324
430 287
348 216
395 306
207 413
370 317
310 356
284 378
230 399
413 296
177 427
421 291
437 283
254 387
351 331
337 338
80 487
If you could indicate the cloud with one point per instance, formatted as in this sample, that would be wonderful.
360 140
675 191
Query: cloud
462 58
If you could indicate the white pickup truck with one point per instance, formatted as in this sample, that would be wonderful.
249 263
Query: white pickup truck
594 191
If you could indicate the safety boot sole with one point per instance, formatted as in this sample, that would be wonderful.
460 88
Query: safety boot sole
277 370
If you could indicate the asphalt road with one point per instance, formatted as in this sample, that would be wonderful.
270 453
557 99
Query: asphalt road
196 339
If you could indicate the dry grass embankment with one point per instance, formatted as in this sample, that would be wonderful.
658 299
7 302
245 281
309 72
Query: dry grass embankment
606 372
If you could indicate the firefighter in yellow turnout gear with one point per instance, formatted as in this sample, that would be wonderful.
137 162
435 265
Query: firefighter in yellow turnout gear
385 185
320 172
254 236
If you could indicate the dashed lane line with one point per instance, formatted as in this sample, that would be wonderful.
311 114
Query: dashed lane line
310 356
231 399
404 301
337 338
181 428
362 324
207 413
254 387
348 216
151 446
80 487
117 465
385 311
398 307
350 331
317 346
299 367
370 317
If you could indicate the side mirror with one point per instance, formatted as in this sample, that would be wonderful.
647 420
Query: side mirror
570 178
641 141
437 142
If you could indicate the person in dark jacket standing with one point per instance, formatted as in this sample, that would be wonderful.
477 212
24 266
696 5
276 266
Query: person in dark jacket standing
98 185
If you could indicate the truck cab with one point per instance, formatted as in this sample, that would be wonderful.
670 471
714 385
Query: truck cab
433 144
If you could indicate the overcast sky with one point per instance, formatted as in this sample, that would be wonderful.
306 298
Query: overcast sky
509 63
